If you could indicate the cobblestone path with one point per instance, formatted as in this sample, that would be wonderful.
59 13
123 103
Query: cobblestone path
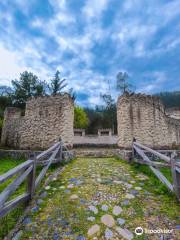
99 198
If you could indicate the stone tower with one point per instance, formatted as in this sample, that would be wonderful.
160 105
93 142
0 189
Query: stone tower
46 120
143 117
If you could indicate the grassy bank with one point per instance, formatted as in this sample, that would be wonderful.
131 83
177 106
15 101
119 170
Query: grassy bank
8 222
154 185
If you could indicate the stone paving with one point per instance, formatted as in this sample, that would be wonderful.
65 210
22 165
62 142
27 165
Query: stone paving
96 198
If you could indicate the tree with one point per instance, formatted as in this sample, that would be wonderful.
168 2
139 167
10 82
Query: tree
27 86
108 100
5 101
122 82
1 125
109 113
80 118
57 84
5 90
95 119
170 99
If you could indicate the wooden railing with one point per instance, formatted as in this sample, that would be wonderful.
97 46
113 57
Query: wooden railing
170 162
27 170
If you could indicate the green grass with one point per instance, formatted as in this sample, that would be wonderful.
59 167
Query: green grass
159 203
8 163
154 181
154 185
8 222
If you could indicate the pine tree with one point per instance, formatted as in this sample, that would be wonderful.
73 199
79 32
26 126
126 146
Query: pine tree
57 84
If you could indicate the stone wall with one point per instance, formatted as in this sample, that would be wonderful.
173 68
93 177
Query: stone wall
102 152
173 112
102 138
143 117
95 140
46 120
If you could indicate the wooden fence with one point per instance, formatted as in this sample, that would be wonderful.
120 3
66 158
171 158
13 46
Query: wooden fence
169 162
27 170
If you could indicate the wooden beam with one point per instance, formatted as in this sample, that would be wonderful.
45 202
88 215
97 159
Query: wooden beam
177 163
31 180
44 170
160 155
162 178
15 170
43 154
142 154
9 206
13 186
155 164
176 176
158 174
60 152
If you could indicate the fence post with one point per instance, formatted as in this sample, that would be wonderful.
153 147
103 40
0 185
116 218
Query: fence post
60 152
175 176
31 180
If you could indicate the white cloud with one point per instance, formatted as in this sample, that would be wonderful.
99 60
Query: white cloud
10 66
130 35
155 82
58 4
12 63
94 8
168 11
133 31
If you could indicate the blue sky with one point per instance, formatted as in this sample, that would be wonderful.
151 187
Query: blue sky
90 41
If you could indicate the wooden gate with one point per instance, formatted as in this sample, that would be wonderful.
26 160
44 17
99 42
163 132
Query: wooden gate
164 161
27 170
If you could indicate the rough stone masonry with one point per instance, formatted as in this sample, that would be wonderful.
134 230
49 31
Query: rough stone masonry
143 117
46 120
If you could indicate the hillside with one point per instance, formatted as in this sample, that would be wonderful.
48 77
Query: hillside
170 99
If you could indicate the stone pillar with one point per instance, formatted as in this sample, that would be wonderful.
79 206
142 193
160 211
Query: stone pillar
11 117
125 122
143 117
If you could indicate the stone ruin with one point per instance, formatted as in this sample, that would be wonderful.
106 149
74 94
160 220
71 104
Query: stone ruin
173 112
46 120
143 117
103 138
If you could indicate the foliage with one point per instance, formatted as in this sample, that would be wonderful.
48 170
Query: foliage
80 118
122 83
109 112
95 118
103 116
5 90
57 84
155 186
27 86
170 99
108 100
5 101
1 125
